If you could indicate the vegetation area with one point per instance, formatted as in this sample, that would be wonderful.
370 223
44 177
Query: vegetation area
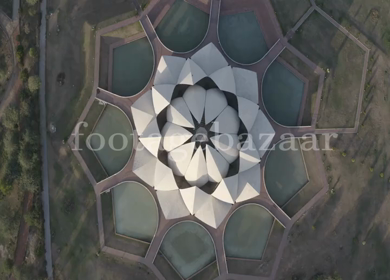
347 231
89 156
342 59
289 12
70 55
20 171
6 60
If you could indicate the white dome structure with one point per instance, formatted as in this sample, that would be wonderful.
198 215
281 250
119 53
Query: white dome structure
212 138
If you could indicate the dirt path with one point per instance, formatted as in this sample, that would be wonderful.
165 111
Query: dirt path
21 243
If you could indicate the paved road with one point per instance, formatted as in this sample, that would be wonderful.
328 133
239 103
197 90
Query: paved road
45 175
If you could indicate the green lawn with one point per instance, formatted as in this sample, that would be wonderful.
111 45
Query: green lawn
89 156
329 48
289 12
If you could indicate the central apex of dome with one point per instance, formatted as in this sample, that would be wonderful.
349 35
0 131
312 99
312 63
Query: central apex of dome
206 114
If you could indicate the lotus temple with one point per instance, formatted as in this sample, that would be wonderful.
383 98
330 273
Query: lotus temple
183 139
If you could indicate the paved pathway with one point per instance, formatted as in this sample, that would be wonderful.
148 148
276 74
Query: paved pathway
43 130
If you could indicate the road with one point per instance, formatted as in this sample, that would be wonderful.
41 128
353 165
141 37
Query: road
43 130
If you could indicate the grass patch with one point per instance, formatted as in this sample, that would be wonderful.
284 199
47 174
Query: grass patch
125 31
116 19
370 18
6 63
89 156
289 12
329 48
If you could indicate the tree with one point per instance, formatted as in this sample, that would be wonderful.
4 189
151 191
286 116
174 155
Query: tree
29 182
11 118
24 75
34 83
10 142
32 11
33 52
20 53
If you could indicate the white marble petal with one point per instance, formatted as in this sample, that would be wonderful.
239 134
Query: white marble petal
215 103
151 138
247 111
195 98
249 183
168 70
227 189
217 166
174 136
143 111
194 198
227 145
213 211
178 113
249 155
162 95
191 73
179 159
210 59
246 84
227 122
262 133
224 79
175 210
196 174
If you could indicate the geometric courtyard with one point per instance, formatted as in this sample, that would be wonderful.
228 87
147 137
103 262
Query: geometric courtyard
219 212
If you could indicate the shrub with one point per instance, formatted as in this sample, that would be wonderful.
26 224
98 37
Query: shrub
7 266
20 53
381 175
344 154
371 169
10 142
24 75
34 83
32 11
33 52
32 2
30 182
11 118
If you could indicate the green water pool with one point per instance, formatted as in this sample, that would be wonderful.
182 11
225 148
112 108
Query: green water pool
282 94
135 211
113 121
132 67
247 232
183 28
188 247
285 173
241 37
